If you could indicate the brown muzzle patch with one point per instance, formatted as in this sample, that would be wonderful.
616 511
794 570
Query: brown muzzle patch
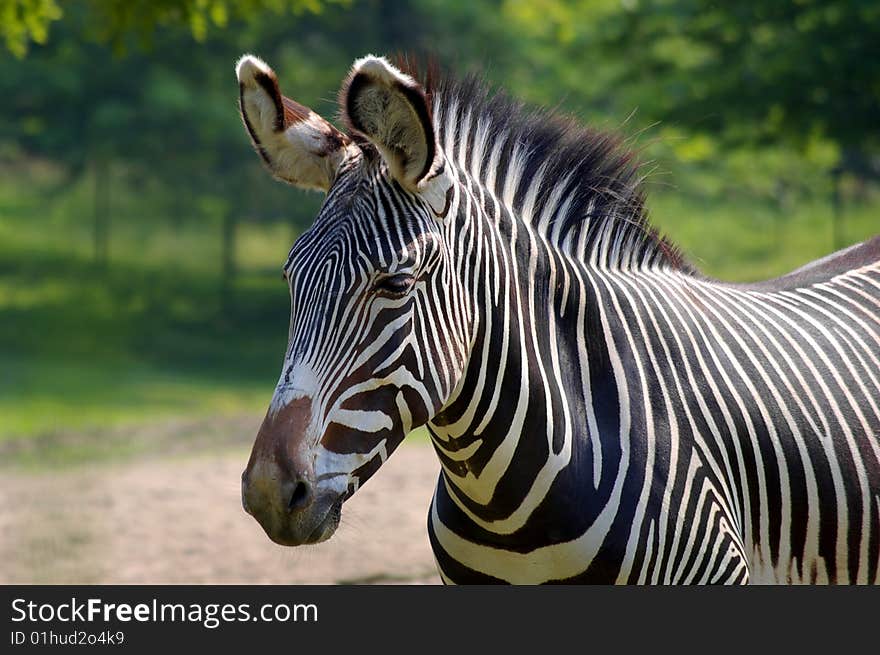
278 485
281 441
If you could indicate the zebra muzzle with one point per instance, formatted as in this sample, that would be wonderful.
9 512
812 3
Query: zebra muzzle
278 487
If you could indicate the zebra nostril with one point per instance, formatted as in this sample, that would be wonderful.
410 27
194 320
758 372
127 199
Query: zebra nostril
299 497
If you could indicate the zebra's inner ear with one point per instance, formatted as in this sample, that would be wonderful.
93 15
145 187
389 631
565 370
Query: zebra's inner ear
390 109
297 145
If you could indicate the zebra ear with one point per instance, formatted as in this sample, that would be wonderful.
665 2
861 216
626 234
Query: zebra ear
297 145
390 109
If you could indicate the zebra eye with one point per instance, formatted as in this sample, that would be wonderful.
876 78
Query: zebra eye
394 285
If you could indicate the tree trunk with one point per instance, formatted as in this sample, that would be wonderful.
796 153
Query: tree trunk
227 259
102 212
837 236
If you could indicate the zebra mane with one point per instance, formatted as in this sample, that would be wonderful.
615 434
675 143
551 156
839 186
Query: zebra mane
579 187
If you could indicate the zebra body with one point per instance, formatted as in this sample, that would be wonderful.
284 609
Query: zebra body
601 411
719 443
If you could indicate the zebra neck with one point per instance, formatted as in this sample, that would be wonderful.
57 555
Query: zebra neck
527 386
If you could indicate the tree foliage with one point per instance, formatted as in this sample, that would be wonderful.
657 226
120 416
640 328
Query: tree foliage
753 69
149 84
120 21
26 21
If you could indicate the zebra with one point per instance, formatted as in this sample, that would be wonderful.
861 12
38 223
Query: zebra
602 411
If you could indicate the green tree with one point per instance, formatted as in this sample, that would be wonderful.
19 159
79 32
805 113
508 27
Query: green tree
754 69
117 21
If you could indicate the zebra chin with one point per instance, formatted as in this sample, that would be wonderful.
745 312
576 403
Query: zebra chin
313 525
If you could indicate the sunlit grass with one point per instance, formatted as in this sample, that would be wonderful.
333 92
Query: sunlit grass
145 339
51 396
743 241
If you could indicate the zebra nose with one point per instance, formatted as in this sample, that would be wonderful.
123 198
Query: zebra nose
292 492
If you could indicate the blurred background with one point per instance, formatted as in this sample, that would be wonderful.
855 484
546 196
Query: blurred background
142 314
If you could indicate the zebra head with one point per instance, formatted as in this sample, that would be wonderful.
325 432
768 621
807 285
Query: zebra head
375 348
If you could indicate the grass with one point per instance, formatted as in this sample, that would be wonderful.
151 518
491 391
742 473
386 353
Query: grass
149 338
745 241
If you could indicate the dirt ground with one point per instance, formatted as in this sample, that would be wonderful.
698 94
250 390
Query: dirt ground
178 519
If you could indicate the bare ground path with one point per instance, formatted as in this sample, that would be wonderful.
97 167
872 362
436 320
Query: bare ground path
178 519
